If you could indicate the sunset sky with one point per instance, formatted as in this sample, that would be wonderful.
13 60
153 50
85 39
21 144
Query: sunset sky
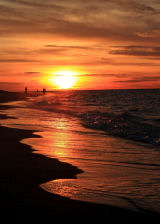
103 44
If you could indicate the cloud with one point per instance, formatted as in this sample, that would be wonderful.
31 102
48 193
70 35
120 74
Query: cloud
54 33
140 79
12 60
29 3
65 47
78 19
32 73
58 50
10 83
12 86
136 51
151 34
109 75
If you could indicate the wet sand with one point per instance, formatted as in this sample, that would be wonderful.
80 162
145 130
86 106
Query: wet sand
21 173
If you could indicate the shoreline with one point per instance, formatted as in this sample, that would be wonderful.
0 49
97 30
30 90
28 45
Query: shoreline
23 171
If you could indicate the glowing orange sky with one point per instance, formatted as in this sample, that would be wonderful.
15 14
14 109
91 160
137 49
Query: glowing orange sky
110 44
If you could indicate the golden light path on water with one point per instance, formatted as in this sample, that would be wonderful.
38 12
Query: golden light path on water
115 170
104 181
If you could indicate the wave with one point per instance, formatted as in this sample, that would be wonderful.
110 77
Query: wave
123 125
119 124
51 104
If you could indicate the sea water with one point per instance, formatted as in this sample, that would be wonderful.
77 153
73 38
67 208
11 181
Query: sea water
112 135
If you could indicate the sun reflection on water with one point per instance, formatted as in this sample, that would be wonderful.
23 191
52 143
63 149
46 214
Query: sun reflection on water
110 173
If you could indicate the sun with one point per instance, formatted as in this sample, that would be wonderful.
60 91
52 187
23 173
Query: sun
64 79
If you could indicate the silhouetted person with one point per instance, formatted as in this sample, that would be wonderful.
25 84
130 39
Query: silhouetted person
44 91
26 89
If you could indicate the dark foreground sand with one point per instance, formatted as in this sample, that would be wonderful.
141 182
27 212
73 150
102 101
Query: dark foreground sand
21 173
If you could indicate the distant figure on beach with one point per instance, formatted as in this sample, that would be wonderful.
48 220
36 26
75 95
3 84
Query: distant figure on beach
26 89
44 90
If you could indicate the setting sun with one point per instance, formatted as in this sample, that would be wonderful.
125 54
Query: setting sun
65 79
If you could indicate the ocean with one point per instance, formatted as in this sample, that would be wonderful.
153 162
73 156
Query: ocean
112 135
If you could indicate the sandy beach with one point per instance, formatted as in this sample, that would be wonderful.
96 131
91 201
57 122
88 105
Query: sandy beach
22 171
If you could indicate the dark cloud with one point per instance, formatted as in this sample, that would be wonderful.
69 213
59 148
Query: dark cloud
10 83
40 4
65 47
116 20
110 61
140 79
136 51
152 34
61 49
97 75
137 6
111 75
54 33
12 86
32 73
18 61
6 11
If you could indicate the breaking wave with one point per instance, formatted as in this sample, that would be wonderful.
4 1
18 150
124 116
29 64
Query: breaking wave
124 124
